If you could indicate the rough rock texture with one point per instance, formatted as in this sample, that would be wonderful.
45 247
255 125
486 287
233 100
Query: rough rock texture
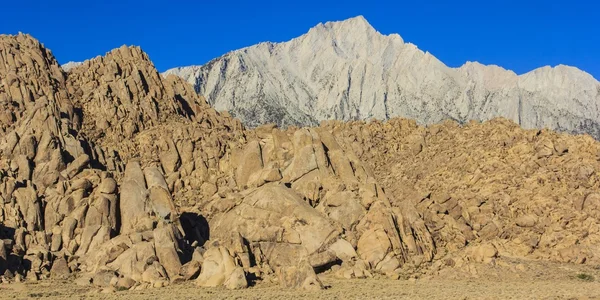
64 205
349 71
488 189
112 171
122 179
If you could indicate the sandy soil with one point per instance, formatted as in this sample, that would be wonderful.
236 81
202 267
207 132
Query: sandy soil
536 281
340 289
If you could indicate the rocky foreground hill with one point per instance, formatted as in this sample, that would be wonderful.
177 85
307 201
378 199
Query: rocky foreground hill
113 175
348 71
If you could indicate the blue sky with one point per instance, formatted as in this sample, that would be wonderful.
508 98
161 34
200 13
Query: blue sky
518 35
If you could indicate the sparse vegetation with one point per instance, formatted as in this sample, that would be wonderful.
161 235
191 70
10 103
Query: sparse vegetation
43 294
585 277
121 288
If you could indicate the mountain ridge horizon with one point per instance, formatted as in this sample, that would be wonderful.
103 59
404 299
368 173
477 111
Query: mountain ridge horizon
361 18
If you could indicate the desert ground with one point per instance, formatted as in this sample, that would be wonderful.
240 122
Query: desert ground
539 280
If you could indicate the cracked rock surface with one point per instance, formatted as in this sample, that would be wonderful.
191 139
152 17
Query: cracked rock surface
115 176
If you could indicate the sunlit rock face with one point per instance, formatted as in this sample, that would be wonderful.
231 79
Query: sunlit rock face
348 71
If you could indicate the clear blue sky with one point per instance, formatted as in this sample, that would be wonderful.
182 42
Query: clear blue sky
519 35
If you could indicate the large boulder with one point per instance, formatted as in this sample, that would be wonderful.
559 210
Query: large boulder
282 231
274 213
219 268
133 202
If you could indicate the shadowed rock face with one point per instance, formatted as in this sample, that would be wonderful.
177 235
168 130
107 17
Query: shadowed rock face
118 176
348 71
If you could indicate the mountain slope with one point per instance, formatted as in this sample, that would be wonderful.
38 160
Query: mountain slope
347 70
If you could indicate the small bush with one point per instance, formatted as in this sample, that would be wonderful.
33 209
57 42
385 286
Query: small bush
585 277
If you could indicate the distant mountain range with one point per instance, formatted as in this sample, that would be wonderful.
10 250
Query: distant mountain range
347 70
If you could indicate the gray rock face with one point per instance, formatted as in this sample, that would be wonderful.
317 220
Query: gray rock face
70 65
347 70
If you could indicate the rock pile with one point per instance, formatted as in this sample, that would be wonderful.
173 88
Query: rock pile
117 177
112 171
62 199
488 189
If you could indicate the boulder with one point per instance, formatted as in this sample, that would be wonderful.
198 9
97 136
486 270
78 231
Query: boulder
250 162
305 159
526 221
133 200
166 247
343 250
373 246
77 165
190 270
300 275
60 268
159 195
219 268
108 186
484 253
170 159
276 214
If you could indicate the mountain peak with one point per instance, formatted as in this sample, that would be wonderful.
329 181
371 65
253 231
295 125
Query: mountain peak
355 24
358 20
348 70
350 33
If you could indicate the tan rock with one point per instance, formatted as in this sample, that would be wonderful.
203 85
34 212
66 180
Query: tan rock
484 253
250 161
158 194
236 280
125 283
526 221
170 160
60 268
29 206
343 250
299 276
219 268
77 165
103 278
373 246
283 210
190 270
388 264
166 247
108 186
305 159
133 199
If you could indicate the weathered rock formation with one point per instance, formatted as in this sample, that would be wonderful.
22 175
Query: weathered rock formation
120 178
113 171
61 197
488 189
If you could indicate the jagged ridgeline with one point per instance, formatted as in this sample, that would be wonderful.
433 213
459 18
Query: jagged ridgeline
113 175
348 71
